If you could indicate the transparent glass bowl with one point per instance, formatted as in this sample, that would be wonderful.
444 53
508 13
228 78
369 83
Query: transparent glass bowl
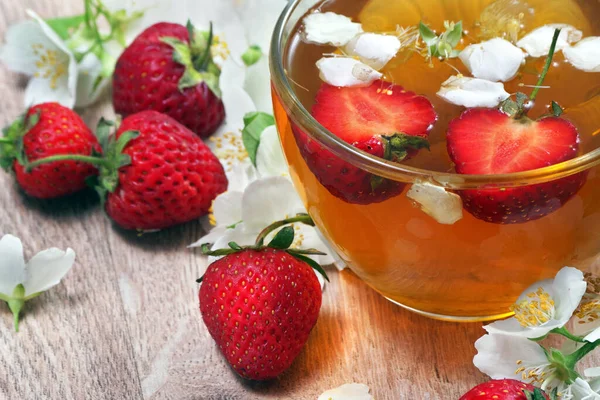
472 270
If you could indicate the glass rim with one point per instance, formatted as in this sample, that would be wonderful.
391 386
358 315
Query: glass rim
387 169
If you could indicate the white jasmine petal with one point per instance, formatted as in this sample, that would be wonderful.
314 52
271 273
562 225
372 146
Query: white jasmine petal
345 72
497 356
348 391
330 28
227 208
494 60
259 30
88 91
240 235
46 269
581 390
556 299
538 42
268 200
270 160
211 237
473 92
373 49
258 85
12 264
585 55
443 206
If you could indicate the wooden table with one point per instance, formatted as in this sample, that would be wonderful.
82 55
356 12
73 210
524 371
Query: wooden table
125 323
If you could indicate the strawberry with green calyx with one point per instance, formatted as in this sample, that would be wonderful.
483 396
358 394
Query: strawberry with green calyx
47 130
154 172
492 141
383 120
506 389
261 302
169 68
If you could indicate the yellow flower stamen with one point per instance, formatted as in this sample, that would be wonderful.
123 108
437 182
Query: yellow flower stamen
48 65
537 309
230 149
589 309
219 48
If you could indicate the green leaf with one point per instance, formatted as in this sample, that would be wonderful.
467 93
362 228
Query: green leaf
397 145
283 239
103 132
252 55
315 265
428 36
65 26
254 125
376 181
557 110
453 36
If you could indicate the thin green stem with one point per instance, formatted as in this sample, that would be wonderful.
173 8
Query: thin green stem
302 218
6 140
547 66
67 157
573 358
564 332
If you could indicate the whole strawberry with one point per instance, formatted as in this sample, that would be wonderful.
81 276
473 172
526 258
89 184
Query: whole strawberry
260 304
46 130
382 119
169 68
505 389
154 173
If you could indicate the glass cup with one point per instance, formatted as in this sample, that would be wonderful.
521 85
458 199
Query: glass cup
472 270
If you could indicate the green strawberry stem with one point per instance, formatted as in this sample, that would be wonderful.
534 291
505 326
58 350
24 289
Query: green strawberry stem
303 218
98 161
547 66
6 140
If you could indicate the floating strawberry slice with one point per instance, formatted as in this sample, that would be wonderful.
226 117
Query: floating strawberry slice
488 141
381 119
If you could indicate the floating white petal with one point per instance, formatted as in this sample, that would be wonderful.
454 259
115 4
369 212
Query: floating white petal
435 201
473 92
349 391
585 55
494 60
538 42
330 28
345 72
373 49
227 208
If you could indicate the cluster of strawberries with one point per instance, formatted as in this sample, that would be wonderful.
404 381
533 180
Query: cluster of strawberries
155 171
259 302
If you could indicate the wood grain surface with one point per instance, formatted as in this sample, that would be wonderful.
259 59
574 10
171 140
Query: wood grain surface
125 324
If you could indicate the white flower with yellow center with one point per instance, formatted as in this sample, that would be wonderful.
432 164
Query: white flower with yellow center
34 49
512 357
544 306
262 203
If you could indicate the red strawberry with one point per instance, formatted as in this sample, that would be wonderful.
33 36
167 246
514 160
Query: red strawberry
155 172
162 71
485 141
259 305
46 130
381 119
505 389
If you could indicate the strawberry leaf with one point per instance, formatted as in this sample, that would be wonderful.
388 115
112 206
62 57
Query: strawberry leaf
315 265
254 125
428 36
283 239
537 394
